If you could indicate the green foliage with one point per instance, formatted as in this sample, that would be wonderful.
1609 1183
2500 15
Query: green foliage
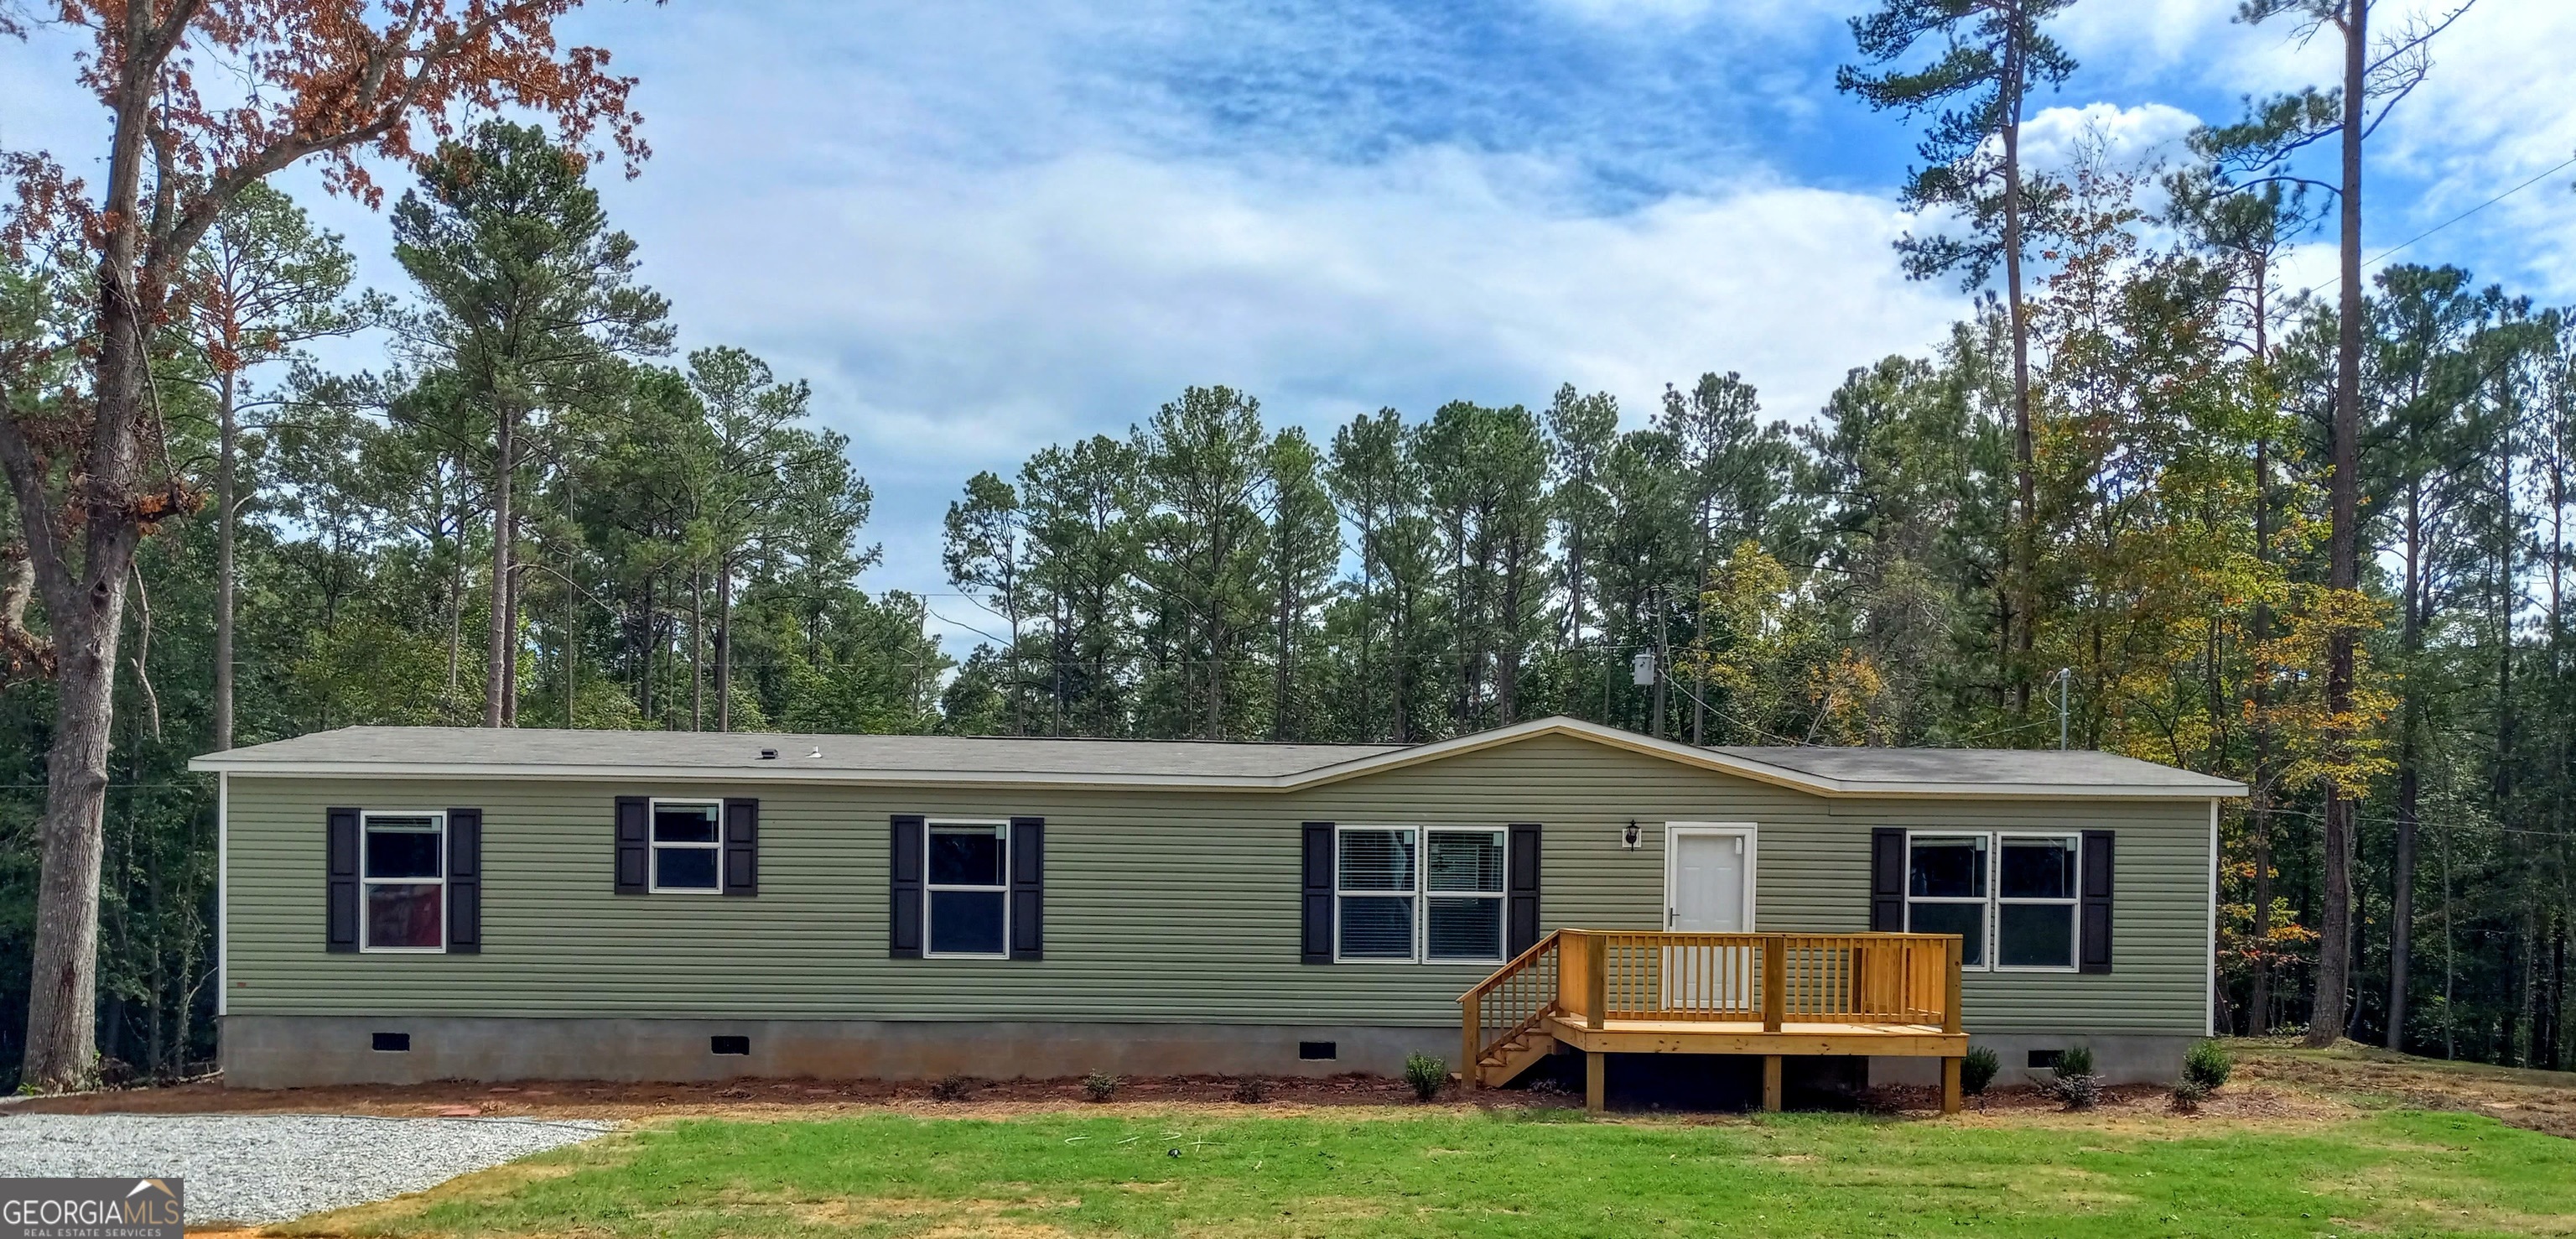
1426 1074
1977 1069
2207 1065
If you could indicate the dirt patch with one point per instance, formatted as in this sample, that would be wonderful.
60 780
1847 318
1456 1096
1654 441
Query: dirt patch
2543 1101
596 1099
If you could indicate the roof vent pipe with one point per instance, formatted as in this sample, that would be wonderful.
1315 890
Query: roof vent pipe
769 755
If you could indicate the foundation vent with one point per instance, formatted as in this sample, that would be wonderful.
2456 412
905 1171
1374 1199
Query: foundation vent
728 1045
1315 1050
393 1043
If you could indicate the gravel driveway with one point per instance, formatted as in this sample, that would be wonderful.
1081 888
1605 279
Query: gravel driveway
256 1168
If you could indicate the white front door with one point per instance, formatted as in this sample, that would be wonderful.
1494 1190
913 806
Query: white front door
1710 879
1708 889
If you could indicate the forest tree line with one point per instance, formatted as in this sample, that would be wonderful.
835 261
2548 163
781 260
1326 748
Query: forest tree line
2114 486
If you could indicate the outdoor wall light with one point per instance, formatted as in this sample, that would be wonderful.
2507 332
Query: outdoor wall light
1628 840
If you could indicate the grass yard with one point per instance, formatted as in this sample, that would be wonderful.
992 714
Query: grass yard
1390 1172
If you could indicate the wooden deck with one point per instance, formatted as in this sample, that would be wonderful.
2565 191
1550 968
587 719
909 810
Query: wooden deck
1772 995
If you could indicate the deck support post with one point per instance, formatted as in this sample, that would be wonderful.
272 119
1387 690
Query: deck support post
1472 1015
1771 1083
1596 1082
1950 1085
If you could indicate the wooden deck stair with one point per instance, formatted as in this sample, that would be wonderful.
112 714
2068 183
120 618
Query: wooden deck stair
1772 995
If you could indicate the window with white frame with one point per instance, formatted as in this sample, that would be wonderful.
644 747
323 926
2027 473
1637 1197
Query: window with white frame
2035 900
969 904
403 868
688 846
2011 897
1408 894
1946 890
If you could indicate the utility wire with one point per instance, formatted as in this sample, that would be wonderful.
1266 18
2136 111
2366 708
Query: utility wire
2384 255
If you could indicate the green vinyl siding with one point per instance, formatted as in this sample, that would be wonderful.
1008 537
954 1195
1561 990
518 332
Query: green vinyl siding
1161 905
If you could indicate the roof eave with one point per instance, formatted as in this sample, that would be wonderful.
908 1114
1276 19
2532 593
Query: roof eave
1376 763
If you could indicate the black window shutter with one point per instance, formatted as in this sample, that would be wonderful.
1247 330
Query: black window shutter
1887 880
903 871
1520 917
340 872
1315 941
634 846
742 847
2094 925
465 881
1028 888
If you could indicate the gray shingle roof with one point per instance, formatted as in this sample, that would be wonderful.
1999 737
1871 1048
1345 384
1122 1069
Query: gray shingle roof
538 753
717 751
2075 768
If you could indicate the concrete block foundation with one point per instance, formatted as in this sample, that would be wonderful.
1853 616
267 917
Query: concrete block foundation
290 1051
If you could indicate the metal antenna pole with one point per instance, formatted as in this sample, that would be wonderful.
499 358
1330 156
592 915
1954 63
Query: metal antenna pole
2065 676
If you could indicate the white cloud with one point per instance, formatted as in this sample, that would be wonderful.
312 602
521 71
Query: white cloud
2055 139
957 319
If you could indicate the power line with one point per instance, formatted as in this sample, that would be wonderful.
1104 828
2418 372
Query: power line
2385 254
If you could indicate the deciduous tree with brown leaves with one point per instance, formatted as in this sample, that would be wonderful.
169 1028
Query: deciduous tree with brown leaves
344 83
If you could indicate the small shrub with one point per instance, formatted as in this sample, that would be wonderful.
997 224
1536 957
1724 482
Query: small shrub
2208 1064
1426 1074
1101 1086
2076 1085
1977 1070
953 1087
1251 1090
2188 1093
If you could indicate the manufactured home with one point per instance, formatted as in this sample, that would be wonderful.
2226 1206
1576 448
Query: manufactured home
404 903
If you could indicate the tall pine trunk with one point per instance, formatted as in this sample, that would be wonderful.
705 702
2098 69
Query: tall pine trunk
496 645
2334 949
2025 536
724 643
2401 898
225 511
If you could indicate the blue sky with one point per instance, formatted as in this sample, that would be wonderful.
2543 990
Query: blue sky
982 226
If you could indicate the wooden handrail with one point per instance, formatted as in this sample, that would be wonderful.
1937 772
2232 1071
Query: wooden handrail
1595 976
1518 962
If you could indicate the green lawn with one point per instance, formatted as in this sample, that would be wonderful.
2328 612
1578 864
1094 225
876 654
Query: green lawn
1548 1174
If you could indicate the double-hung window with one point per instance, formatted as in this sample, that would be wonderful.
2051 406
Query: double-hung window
969 888
2035 900
403 869
2011 897
688 846
1406 894
1945 890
